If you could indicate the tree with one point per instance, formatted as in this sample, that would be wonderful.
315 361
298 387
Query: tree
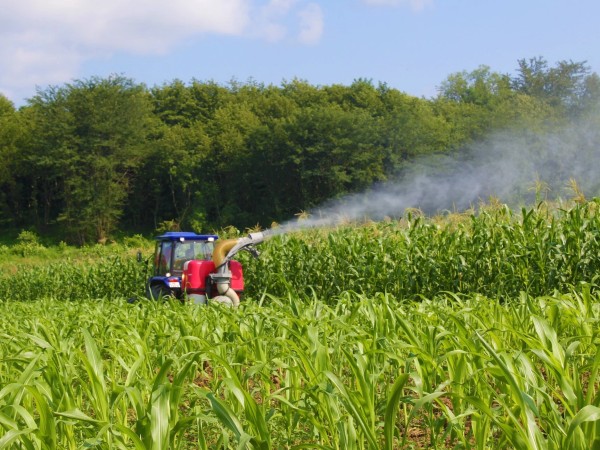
90 138
175 186
590 101
473 101
231 160
174 104
479 102
335 152
567 86
266 176
410 127
10 133
480 87
303 93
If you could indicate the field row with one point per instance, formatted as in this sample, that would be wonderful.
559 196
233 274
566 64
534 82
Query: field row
497 252
467 331
368 372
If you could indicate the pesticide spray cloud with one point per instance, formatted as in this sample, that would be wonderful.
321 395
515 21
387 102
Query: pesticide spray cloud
515 167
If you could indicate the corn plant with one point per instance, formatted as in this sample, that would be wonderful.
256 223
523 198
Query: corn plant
481 332
368 372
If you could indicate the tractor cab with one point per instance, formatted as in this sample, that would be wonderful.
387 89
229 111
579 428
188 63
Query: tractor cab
172 251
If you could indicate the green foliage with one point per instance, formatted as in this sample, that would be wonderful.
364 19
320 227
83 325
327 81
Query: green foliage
463 331
495 252
113 277
369 372
87 159
567 86
88 139
11 139
28 243
480 102
136 241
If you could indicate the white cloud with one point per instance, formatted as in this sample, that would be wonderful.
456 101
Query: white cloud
141 26
311 24
268 23
46 42
34 58
274 20
416 5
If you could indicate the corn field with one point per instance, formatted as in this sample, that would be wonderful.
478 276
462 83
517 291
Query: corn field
466 332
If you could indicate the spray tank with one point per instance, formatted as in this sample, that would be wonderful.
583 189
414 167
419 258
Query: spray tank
221 278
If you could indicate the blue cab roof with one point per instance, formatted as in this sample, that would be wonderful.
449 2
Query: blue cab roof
187 235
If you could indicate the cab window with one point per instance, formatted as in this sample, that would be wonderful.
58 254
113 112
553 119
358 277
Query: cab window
164 253
204 250
184 251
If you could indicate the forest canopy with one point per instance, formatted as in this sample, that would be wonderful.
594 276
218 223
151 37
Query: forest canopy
93 157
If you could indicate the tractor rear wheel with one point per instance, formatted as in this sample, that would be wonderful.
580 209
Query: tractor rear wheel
159 291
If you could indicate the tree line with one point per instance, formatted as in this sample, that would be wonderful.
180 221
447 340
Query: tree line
87 159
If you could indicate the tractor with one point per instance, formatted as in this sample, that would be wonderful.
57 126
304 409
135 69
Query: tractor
198 268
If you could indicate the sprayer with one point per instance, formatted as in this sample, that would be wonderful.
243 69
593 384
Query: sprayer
224 251
196 268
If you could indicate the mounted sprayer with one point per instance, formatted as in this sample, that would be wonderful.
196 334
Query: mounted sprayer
199 267
223 275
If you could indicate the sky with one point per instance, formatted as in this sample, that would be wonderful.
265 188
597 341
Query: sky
411 45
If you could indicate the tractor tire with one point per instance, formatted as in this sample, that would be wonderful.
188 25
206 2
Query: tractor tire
158 292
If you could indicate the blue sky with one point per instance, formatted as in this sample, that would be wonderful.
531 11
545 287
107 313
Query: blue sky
411 45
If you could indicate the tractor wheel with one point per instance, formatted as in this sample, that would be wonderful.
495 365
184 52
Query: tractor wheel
157 291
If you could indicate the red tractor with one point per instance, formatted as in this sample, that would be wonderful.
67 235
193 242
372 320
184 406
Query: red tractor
198 267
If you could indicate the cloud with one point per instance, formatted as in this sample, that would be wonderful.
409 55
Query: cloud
416 5
140 26
34 58
274 21
311 24
44 42
268 23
